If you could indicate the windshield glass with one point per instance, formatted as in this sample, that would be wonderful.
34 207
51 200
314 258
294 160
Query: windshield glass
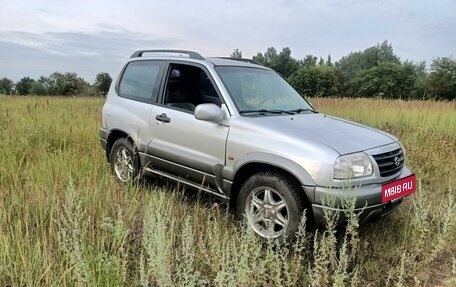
260 90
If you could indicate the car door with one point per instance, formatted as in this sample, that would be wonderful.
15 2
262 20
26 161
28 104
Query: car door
183 145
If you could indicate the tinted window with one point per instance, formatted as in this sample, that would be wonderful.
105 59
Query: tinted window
188 86
140 80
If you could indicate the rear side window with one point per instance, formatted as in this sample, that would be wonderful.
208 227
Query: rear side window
141 80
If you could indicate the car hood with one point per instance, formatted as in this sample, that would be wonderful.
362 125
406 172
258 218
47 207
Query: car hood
341 135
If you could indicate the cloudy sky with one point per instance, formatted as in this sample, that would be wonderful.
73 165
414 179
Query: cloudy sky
89 36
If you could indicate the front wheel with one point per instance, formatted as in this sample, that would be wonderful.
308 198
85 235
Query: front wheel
273 205
124 161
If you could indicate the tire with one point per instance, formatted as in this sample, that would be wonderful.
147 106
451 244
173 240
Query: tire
125 161
273 205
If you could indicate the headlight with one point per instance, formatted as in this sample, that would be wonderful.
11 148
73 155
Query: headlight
353 165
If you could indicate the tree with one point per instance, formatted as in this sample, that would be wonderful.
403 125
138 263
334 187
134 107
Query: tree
67 84
418 71
441 83
237 54
387 80
281 62
6 86
385 53
102 83
309 61
329 61
38 88
23 86
316 81
370 57
321 62
356 62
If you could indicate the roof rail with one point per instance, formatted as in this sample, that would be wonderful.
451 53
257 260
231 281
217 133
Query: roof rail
242 60
191 54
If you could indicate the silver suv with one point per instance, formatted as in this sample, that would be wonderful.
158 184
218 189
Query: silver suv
239 131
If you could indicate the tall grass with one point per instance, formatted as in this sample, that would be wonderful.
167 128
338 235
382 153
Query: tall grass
64 221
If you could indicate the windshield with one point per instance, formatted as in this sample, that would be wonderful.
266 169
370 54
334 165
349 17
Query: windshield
260 90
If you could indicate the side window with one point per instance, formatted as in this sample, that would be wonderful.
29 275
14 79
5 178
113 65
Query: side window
141 80
189 86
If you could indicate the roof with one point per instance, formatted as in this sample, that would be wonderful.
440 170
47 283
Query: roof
194 57
234 62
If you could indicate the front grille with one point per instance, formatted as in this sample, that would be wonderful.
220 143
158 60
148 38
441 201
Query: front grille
390 163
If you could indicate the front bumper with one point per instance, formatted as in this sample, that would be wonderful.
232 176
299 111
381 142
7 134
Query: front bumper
365 214
368 201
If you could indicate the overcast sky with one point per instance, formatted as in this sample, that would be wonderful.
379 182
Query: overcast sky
41 37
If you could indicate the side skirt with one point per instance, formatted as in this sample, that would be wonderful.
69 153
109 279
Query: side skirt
186 182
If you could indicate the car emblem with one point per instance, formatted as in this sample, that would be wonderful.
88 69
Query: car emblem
397 161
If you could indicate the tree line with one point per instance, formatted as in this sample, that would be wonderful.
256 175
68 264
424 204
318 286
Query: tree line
375 72
57 84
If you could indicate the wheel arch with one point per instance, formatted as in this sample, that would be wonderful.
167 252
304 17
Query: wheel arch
266 162
113 136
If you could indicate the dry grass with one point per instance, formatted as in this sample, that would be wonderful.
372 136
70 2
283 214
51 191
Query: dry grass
64 221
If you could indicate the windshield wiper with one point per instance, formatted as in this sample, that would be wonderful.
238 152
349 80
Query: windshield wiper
263 111
300 110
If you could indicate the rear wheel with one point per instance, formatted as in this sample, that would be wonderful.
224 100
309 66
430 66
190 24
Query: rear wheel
272 203
124 161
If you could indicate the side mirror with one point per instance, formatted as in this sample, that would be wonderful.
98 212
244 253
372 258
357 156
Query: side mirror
209 113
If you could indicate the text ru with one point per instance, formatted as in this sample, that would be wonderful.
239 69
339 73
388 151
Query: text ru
398 188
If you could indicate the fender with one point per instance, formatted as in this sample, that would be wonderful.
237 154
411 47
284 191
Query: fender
229 172
131 134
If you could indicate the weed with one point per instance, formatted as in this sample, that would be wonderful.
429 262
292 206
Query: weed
66 222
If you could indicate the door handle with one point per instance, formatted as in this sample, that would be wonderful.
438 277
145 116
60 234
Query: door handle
163 118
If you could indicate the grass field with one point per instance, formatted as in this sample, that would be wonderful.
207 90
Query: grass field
64 221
